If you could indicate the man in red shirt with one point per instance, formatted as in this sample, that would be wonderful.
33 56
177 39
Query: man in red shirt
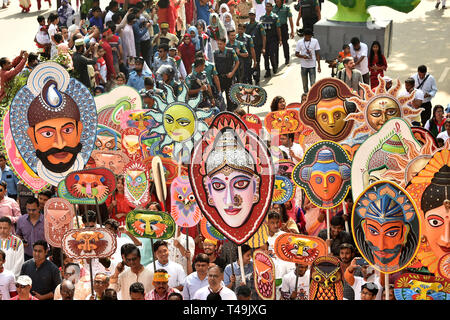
10 69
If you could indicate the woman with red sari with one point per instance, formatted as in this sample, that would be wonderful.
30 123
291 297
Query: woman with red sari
377 63
187 52
118 207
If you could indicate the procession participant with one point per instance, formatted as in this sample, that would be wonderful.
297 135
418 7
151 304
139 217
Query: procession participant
45 274
198 279
215 286
12 246
162 289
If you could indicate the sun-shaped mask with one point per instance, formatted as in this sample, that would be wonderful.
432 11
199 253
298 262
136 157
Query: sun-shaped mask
380 106
179 122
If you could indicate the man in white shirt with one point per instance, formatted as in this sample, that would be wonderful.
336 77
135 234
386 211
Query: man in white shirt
197 279
292 149
7 280
12 246
308 51
368 275
416 103
176 272
359 52
113 7
122 280
288 289
425 82
444 135
215 286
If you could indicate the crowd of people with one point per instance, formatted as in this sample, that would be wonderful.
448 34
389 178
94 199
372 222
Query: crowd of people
208 46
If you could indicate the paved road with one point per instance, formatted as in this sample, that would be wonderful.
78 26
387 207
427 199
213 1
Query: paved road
420 37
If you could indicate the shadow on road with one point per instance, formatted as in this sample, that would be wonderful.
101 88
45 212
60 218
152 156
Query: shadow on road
421 41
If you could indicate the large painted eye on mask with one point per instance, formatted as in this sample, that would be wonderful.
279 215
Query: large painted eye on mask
241 184
333 279
218 186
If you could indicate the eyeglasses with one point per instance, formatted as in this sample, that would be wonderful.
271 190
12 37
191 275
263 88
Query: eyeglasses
99 282
1 190
21 286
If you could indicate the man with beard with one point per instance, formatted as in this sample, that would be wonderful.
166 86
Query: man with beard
368 275
209 247
55 129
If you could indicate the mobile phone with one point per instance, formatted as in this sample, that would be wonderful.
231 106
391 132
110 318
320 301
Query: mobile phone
361 262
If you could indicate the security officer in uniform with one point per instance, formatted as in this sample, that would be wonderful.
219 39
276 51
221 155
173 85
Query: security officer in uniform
284 13
197 82
241 52
250 46
243 7
256 30
271 24
227 63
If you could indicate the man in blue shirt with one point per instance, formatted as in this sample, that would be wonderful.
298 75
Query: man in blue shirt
9 177
137 76
202 9
96 19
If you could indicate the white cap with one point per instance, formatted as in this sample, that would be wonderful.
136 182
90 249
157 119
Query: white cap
79 42
24 280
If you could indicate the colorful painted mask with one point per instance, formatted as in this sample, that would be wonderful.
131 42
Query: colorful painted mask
136 119
53 122
16 162
324 173
283 190
170 168
209 232
112 160
386 227
136 184
130 143
384 156
412 286
150 224
264 275
89 186
380 107
283 122
253 122
89 243
248 95
326 107
107 140
298 248
232 176
179 121
326 279
58 219
430 190
185 210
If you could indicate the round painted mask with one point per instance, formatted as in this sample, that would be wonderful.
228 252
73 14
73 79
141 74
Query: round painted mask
386 226
380 110
324 173
232 177
179 122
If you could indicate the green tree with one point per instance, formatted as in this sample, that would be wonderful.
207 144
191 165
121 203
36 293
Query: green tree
356 10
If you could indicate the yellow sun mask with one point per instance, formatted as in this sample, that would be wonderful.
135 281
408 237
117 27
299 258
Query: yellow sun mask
179 122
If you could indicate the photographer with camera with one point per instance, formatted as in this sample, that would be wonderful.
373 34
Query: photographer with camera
369 275
308 52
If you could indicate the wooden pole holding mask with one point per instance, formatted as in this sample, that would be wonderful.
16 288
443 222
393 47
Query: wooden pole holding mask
76 215
99 217
241 264
328 229
386 285
344 209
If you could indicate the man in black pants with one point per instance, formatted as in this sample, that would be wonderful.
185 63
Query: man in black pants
256 30
271 24
227 63
309 12
284 14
